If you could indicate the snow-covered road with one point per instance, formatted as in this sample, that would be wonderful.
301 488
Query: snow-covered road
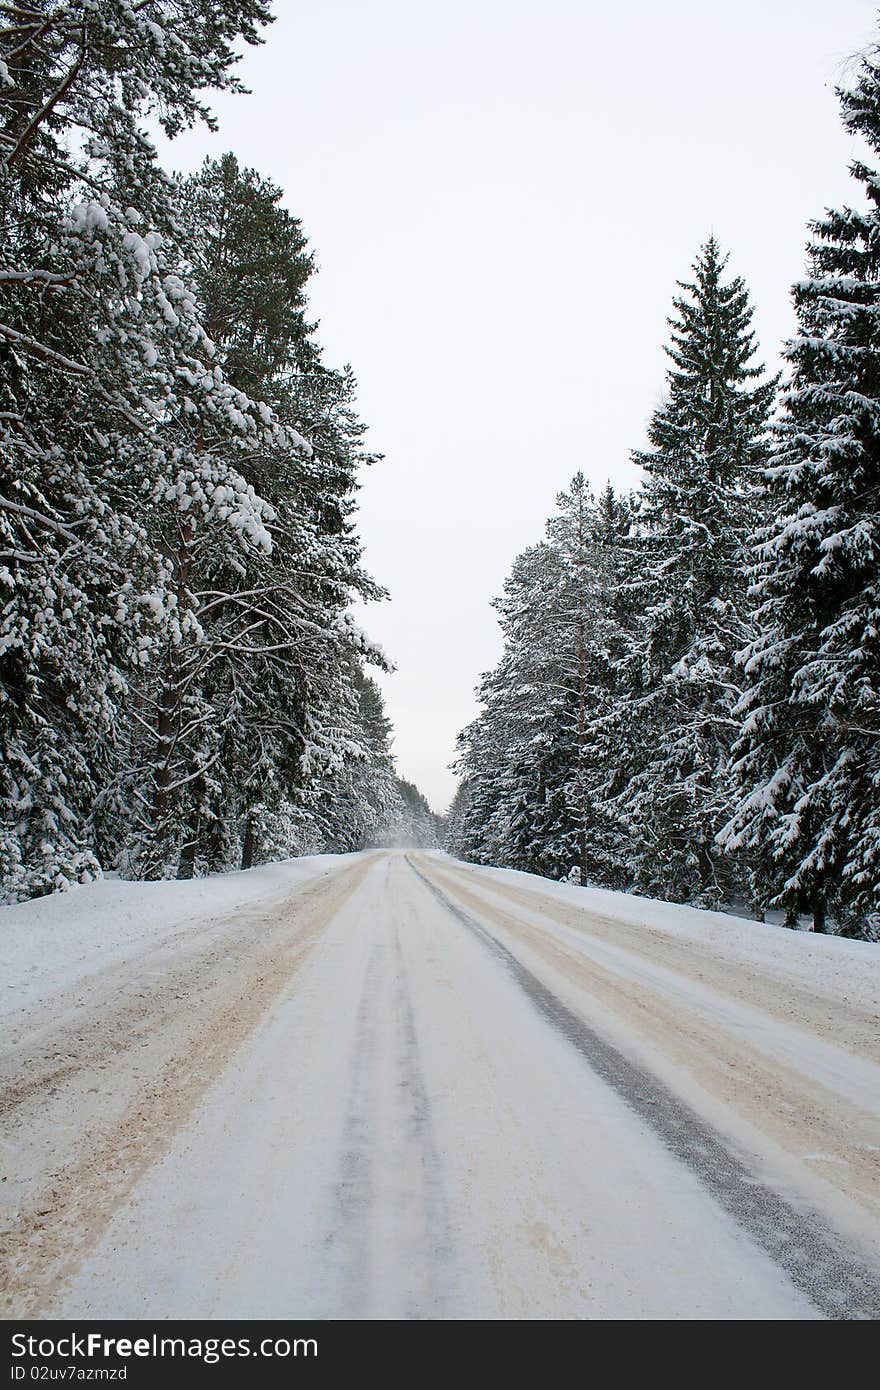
393 1086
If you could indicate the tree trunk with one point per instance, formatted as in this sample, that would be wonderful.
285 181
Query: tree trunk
820 919
169 699
187 864
248 845
165 730
706 869
582 856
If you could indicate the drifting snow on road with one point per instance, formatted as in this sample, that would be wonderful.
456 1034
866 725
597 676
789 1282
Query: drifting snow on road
396 1086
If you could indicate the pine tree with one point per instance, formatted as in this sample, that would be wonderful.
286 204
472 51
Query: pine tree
503 753
355 805
673 718
251 260
75 81
536 759
91 333
809 753
280 657
177 561
589 538
455 837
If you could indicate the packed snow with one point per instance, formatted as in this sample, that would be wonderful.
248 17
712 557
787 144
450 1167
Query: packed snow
390 1085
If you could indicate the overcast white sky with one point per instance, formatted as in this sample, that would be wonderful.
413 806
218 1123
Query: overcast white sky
501 195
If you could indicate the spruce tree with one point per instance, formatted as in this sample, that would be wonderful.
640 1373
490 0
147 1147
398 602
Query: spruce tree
677 687
536 760
504 752
456 839
809 752
589 539
415 823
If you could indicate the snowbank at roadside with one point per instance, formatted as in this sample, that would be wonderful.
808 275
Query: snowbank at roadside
49 943
829 965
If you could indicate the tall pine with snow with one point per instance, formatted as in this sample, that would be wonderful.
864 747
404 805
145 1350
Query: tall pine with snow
809 753
96 336
537 757
180 671
673 712
589 537
260 703
507 752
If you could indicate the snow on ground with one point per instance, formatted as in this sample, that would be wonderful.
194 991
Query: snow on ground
397 1086
834 964
786 1065
431 1148
51 942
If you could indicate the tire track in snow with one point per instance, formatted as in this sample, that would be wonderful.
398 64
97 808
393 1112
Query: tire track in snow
835 1279
830 1015
815 1102
389 1212
93 1148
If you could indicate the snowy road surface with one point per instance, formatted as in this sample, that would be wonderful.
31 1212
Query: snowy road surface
394 1086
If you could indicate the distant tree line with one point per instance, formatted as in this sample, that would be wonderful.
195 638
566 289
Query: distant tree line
688 702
